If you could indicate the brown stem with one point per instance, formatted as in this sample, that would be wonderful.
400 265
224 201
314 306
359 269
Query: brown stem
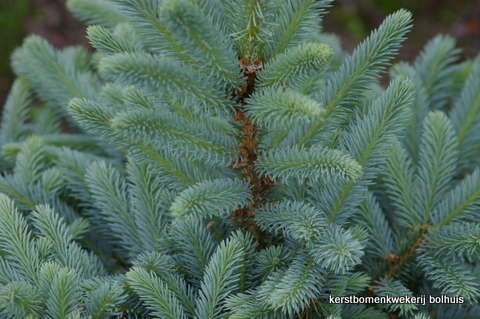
248 156
399 262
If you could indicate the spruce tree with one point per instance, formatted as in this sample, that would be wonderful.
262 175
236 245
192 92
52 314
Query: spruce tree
226 159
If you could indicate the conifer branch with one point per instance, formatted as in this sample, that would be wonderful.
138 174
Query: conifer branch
400 261
294 21
277 108
395 288
362 67
296 65
169 75
188 25
107 42
16 111
144 17
248 24
105 13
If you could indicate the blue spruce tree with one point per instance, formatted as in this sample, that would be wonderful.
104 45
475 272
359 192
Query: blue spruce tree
226 159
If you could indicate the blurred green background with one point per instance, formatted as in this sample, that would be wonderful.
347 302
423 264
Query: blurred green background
352 20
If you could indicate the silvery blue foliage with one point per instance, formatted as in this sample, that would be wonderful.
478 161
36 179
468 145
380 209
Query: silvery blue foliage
215 159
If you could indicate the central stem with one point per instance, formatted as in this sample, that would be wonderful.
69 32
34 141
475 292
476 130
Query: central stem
248 156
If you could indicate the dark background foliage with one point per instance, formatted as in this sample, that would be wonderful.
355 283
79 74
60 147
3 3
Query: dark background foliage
352 20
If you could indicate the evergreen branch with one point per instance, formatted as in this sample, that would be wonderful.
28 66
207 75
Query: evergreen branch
221 278
398 175
74 141
78 228
109 190
26 196
156 294
362 67
64 250
168 75
169 100
95 118
461 74
273 258
368 136
435 68
465 116
372 218
296 65
276 107
294 22
111 95
211 198
160 264
433 73
80 59
73 165
20 299
419 109
338 198
52 73
203 41
247 305
170 165
213 11
144 16
31 160
48 121
306 163
248 275
292 290
349 283
165 269
394 288
149 201
437 163
171 129
400 261
459 204
108 43
192 245
452 278
337 250
102 302
63 290
248 23
455 241
298 220
127 31
135 98
102 12
8 273
51 182
15 111
16 242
